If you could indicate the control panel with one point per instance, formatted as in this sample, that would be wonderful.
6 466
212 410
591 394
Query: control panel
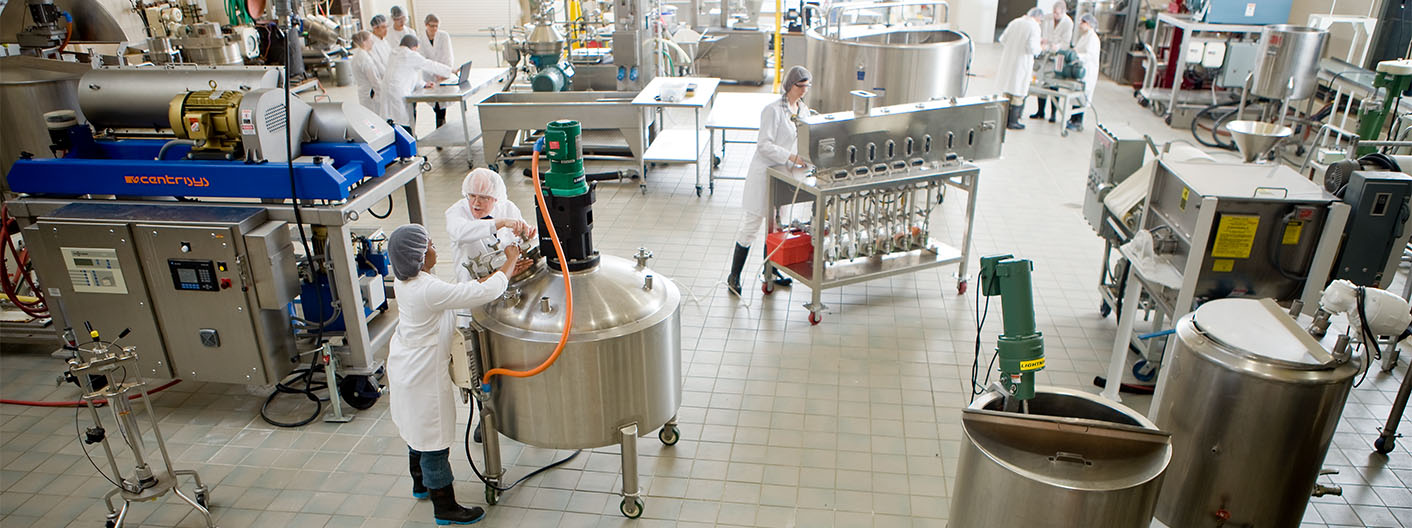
193 275
94 270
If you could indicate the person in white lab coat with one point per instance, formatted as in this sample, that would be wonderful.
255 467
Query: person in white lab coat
399 27
484 219
776 145
438 48
423 398
1021 42
1087 48
1056 32
367 70
382 49
405 69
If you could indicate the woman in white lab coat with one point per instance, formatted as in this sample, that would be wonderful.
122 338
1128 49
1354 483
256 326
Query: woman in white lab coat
405 69
775 146
1021 42
1087 48
438 49
382 49
399 27
423 401
1056 32
367 70
484 220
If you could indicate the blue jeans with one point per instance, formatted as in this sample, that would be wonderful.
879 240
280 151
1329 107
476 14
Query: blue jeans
436 467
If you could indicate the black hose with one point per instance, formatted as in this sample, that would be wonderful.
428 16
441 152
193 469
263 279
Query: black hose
384 215
1215 126
470 422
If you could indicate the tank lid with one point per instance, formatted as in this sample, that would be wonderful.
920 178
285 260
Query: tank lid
1261 330
612 298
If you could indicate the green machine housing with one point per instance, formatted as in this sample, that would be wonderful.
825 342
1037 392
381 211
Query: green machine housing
569 198
1021 346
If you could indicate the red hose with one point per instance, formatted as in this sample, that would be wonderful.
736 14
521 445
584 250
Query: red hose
9 284
80 403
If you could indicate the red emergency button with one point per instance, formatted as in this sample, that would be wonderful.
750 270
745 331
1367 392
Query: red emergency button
1304 213
225 283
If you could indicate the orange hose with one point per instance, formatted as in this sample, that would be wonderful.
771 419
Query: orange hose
568 289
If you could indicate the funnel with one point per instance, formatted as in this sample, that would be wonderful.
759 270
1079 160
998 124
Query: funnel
1254 139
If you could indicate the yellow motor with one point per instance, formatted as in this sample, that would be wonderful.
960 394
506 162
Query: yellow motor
210 117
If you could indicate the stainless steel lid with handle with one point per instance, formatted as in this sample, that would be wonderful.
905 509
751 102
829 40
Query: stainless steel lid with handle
1260 330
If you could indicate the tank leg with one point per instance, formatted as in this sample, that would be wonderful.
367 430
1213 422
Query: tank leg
632 502
1388 437
490 444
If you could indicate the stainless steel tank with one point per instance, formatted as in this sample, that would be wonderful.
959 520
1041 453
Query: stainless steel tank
1102 11
1075 460
1288 61
29 87
138 97
1252 401
901 65
622 364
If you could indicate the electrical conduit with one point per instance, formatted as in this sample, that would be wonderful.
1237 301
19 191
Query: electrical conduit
568 288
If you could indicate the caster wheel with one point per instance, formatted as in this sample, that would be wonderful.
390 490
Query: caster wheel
359 392
1143 371
1064 133
767 287
1142 101
1167 120
426 166
1104 309
109 524
1384 444
669 435
631 509
815 318
961 287
698 191
492 495
203 500
715 161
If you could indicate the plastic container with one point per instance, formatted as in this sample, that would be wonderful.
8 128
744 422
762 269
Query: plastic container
795 247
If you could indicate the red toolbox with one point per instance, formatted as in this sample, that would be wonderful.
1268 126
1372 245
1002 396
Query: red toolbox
794 247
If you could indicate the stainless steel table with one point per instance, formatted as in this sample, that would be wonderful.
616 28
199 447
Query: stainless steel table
477 82
677 145
734 111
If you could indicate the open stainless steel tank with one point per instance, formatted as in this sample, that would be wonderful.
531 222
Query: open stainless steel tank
1075 460
901 65
622 364
30 87
1251 400
1288 61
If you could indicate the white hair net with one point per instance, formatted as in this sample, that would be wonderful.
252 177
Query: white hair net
407 249
484 182
1092 20
1035 12
795 75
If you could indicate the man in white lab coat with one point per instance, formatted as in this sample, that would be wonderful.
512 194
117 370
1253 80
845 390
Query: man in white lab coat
1021 42
423 398
405 70
1087 48
399 27
367 70
1056 31
382 49
437 48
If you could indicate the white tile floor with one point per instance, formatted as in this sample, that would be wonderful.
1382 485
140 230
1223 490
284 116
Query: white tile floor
850 423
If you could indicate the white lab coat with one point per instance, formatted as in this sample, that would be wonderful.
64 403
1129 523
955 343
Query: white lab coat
403 76
1021 43
394 36
472 237
423 399
439 50
381 52
777 140
1056 35
1087 49
367 76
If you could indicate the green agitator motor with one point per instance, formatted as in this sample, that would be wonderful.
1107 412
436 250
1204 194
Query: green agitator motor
1021 346
569 197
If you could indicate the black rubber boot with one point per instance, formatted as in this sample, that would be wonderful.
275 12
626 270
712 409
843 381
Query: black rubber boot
780 279
737 264
1039 114
1013 119
447 511
414 466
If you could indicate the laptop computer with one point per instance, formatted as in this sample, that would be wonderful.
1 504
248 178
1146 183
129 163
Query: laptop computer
462 73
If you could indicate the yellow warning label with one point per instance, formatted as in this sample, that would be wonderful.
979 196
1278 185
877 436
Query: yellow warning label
1033 364
1222 265
1185 193
1292 232
1235 236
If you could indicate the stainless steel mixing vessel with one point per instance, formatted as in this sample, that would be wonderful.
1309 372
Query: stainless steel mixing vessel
1288 58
